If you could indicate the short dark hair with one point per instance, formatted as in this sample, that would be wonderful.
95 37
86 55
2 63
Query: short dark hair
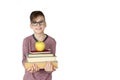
35 14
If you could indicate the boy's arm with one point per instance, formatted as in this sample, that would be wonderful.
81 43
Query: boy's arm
53 47
25 51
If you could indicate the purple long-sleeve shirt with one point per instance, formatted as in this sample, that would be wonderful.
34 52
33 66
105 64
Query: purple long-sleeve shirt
29 45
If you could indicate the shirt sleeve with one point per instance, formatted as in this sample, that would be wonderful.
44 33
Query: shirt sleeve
25 50
53 47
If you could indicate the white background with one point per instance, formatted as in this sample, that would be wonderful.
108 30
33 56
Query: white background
87 34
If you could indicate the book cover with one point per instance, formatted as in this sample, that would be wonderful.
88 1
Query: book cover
41 59
41 65
40 55
45 51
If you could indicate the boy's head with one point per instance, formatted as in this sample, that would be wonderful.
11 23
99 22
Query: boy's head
38 23
36 14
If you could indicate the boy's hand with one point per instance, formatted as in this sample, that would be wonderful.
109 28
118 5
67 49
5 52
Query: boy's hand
49 67
33 68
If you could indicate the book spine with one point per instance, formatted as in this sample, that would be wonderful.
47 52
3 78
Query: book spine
40 59
39 52
39 55
41 65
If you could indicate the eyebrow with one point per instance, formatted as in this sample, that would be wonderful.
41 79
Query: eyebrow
38 21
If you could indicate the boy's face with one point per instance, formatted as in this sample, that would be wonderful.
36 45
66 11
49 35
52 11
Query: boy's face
38 25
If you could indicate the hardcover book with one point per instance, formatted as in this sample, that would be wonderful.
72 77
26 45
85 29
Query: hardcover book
45 51
40 55
41 59
41 65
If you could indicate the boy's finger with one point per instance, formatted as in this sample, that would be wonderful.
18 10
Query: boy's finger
32 69
36 68
28 69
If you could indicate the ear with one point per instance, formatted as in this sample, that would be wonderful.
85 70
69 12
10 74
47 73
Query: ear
31 26
45 24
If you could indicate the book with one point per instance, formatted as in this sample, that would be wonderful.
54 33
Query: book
45 51
40 55
41 59
41 65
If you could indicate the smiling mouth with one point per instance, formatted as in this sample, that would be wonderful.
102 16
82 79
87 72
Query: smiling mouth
38 28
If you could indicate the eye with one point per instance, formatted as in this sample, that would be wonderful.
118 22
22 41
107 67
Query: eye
34 22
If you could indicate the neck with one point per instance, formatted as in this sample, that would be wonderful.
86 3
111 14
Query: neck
40 37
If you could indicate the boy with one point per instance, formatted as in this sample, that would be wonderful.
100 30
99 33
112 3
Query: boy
38 24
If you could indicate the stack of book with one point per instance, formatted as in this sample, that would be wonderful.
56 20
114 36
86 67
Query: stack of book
40 58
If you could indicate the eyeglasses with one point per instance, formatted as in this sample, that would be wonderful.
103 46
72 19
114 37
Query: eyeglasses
35 23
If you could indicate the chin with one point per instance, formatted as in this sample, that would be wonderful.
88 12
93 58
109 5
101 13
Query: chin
39 32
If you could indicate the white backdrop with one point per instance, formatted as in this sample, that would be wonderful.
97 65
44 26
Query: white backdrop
87 34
